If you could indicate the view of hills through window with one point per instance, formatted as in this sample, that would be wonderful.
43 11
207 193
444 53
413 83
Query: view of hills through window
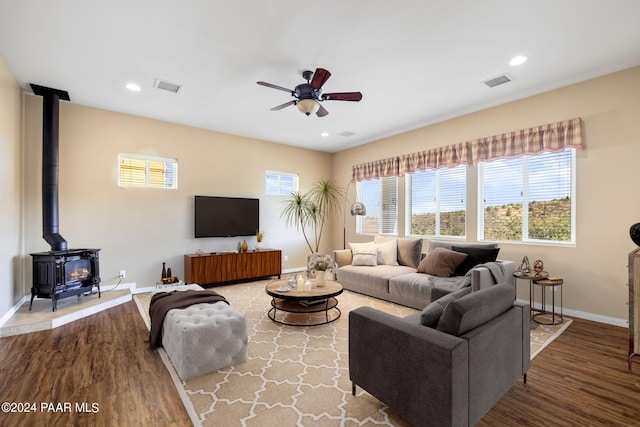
542 184
528 198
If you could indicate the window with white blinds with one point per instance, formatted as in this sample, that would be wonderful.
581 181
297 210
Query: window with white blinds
528 199
437 202
280 183
147 172
380 197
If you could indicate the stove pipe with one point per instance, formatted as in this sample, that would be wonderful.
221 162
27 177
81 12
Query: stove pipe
50 165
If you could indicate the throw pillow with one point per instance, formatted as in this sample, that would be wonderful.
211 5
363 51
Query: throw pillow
431 313
441 262
409 252
362 247
432 244
475 309
388 252
476 256
366 258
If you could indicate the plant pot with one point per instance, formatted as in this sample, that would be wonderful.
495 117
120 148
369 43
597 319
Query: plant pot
259 246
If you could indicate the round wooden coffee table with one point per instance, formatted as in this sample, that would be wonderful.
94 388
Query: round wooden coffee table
303 306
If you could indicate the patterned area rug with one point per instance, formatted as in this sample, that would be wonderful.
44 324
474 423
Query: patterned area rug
294 375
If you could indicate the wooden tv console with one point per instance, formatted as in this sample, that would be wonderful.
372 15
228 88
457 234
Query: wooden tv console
221 267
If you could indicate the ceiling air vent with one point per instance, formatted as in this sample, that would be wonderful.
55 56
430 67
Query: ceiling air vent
497 81
346 133
165 85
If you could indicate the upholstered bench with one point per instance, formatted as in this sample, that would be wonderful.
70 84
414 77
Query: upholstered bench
203 338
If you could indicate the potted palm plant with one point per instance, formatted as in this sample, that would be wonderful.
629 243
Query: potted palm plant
310 211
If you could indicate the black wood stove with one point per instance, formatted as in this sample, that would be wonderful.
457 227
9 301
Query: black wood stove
61 272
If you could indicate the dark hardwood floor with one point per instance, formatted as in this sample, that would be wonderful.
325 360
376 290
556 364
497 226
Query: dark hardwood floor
101 359
581 379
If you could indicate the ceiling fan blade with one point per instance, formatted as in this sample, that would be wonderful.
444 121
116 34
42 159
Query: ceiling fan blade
281 106
276 87
321 112
342 96
320 76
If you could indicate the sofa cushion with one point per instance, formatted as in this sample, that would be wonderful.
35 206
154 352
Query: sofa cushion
362 247
469 312
370 277
441 262
365 257
409 251
448 245
431 313
476 256
388 252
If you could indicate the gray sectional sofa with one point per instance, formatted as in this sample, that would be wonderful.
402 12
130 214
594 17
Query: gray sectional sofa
448 372
395 275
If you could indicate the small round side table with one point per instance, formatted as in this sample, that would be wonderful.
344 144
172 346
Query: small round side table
556 318
531 277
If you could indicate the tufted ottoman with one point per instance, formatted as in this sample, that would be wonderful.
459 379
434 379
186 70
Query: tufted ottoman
204 338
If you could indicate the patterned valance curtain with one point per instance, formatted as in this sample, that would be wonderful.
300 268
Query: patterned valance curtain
376 169
451 155
549 137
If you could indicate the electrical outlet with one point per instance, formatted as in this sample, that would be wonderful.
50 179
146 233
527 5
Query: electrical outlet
123 274
286 257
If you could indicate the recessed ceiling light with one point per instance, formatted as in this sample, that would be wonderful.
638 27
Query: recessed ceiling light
324 134
518 60
133 87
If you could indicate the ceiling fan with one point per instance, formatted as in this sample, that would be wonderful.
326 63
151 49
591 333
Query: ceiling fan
308 96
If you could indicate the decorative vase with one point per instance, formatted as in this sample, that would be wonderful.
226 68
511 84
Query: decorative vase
321 278
245 246
164 270
634 232
259 246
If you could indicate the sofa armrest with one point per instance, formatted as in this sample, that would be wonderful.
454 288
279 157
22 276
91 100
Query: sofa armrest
342 257
437 292
526 335
482 278
420 372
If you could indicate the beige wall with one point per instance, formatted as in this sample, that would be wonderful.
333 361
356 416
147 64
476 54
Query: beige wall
11 272
138 229
608 199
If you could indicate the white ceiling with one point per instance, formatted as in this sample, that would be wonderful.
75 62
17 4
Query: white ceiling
417 62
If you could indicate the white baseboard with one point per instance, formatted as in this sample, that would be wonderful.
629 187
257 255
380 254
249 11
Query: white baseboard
587 316
4 319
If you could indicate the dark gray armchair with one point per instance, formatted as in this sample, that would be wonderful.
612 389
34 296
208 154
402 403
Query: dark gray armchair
450 375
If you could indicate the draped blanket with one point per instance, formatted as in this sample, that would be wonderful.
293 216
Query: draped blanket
162 302
495 268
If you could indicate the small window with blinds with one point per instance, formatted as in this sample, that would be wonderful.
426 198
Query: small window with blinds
380 197
136 171
280 183
528 199
437 202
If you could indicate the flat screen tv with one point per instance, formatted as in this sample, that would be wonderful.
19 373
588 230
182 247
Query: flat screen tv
226 216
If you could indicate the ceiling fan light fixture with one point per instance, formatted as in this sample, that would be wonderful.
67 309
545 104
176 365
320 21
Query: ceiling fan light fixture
308 106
